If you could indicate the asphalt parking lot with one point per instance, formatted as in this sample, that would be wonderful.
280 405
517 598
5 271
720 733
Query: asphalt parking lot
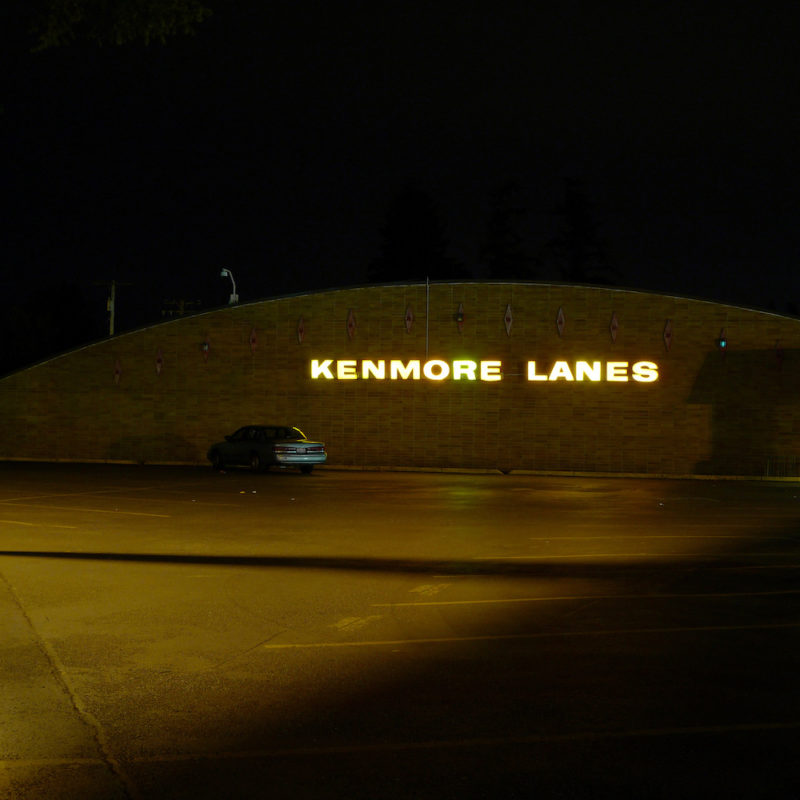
171 632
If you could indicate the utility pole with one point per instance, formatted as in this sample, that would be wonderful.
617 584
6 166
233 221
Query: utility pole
111 302
110 307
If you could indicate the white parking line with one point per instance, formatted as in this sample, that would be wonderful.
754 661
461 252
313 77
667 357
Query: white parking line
355 623
89 510
119 489
429 589
756 566
582 597
35 524
537 635
629 555
647 536
10 763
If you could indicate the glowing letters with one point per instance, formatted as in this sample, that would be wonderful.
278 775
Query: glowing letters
614 372
645 371
405 371
487 371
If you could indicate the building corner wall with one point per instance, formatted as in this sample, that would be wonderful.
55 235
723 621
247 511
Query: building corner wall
163 394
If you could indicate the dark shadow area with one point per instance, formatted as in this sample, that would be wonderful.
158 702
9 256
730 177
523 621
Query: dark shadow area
748 392
144 449
696 700
607 569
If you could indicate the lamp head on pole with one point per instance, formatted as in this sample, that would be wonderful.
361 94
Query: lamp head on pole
234 298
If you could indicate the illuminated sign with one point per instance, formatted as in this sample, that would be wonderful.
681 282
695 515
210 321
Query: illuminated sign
330 369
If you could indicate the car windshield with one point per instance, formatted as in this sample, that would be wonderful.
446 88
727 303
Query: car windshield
259 434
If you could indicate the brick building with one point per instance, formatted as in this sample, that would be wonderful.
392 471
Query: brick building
481 375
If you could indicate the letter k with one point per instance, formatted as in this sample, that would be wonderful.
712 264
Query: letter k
322 369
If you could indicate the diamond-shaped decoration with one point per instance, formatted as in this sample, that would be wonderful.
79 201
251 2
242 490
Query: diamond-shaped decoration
614 327
159 362
351 324
205 347
301 330
561 321
508 319
253 340
409 319
460 317
668 334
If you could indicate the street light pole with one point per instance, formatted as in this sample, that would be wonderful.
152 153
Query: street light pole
234 298
111 301
111 307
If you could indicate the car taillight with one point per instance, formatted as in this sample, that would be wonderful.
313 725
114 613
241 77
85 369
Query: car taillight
315 449
283 448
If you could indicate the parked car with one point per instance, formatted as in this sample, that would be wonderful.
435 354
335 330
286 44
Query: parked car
261 446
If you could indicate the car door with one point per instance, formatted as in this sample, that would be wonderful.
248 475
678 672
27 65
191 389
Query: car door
268 444
239 444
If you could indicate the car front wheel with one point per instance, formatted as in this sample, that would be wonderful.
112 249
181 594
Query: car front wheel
255 462
216 461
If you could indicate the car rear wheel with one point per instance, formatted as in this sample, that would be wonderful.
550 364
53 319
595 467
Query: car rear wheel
255 462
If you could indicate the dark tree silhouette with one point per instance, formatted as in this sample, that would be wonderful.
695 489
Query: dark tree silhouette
502 254
414 242
577 253
48 322
56 23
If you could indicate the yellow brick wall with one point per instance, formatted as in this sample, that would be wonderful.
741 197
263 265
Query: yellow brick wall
709 412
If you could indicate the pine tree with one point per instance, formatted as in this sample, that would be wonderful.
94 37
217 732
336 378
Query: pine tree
502 254
414 242
577 253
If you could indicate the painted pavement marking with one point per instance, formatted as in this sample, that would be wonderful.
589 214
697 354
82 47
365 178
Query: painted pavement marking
582 597
647 537
89 510
427 590
36 524
120 489
629 555
354 623
531 636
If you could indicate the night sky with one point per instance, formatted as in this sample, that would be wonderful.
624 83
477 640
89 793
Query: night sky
273 141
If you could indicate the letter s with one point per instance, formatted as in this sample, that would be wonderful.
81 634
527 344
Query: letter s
645 371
